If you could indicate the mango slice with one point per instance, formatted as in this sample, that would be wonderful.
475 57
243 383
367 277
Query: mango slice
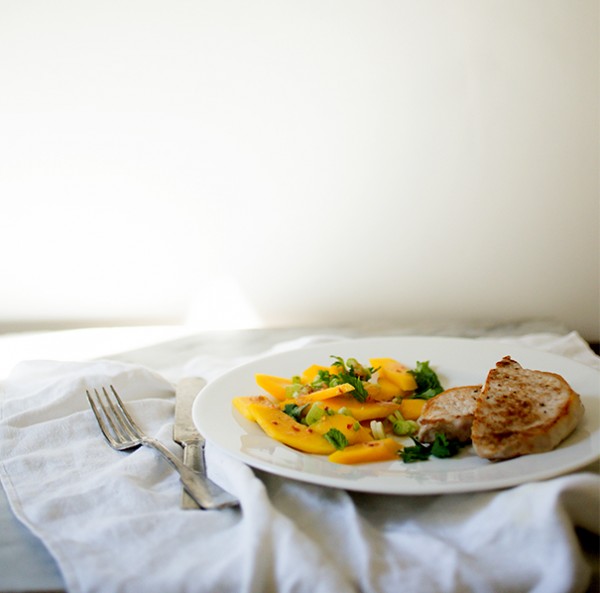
368 410
391 363
387 390
411 409
286 430
324 394
242 404
349 427
369 452
309 374
373 390
393 373
403 379
273 385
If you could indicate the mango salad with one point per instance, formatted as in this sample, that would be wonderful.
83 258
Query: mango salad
350 412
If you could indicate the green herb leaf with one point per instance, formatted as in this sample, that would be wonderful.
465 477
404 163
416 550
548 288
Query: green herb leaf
351 372
442 447
336 438
339 362
359 393
428 383
353 368
294 410
418 452
322 380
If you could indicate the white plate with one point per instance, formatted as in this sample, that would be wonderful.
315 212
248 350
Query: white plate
457 361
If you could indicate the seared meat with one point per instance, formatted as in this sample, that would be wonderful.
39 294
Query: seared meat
449 413
521 411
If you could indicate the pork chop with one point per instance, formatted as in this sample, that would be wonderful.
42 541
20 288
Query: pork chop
449 413
521 411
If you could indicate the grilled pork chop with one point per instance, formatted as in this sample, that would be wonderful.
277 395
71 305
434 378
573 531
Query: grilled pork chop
449 413
521 411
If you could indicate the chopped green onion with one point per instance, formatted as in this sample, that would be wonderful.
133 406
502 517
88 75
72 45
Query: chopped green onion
402 427
377 429
315 413
293 390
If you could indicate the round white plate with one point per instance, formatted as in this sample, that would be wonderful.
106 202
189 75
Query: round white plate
457 361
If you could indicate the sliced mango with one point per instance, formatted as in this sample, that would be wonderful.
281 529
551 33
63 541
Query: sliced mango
309 374
368 452
286 430
403 379
369 410
273 385
373 391
323 394
411 409
388 362
393 373
387 390
349 427
242 404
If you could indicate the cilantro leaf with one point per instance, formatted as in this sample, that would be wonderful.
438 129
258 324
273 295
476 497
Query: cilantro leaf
428 383
354 373
359 393
353 367
418 452
294 410
339 362
336 438
442 447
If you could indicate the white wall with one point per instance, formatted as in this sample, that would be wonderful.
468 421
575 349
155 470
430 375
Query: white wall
305 162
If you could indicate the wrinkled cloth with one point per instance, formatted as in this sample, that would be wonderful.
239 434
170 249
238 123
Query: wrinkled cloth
112 520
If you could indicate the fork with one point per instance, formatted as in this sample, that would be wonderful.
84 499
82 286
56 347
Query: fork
123 434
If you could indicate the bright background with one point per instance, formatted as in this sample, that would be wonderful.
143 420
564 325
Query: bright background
243 164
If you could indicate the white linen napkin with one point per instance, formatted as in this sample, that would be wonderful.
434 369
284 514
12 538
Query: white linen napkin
112 520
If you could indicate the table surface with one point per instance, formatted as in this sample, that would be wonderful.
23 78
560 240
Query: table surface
25 564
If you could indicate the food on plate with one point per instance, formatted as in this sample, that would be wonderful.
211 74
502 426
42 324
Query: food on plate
324 436
521 411
244 404
355 413
393 379
368 410
450 413
368 452
352 412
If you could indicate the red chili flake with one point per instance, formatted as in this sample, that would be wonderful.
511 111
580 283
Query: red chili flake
371 445
348 426
295 428
309 430
274 422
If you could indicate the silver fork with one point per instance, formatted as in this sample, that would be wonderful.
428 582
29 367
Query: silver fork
122 433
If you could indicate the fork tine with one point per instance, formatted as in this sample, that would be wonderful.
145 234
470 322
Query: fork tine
126 419
112 416
99 417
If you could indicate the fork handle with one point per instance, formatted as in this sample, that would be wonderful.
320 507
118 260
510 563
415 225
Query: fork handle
195 483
